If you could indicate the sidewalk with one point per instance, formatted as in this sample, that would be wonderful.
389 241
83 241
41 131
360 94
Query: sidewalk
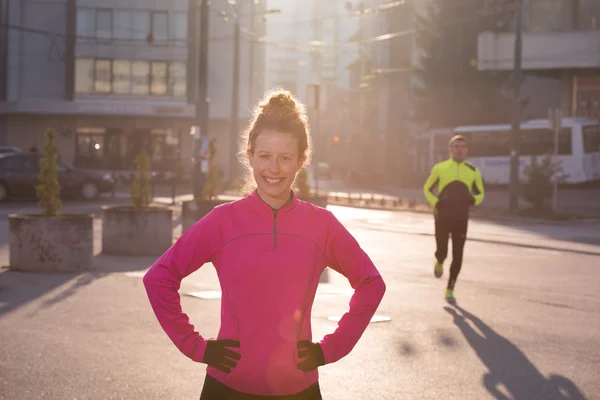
575 235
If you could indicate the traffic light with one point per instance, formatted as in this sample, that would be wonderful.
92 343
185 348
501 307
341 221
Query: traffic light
336 139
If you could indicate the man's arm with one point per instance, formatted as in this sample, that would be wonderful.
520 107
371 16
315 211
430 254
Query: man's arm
430 184
478 190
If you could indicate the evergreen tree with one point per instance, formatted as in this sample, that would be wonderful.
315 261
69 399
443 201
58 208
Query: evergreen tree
454 92
48 191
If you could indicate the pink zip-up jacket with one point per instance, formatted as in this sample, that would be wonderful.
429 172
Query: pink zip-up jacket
268 263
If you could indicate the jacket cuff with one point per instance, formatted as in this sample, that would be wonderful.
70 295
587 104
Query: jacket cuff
198 355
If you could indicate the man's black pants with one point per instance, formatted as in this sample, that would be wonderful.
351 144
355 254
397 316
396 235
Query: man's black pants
457 228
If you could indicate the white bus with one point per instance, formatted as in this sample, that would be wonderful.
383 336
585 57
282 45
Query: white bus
578 148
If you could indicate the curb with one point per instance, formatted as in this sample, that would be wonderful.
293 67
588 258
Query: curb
391 203
488 241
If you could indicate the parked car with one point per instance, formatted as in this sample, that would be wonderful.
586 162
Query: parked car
10 149
19 177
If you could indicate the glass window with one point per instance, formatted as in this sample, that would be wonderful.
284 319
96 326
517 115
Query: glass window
591 139
140 24
159 78
549 16
589 14
140 77
102 78
121 76
89 151
84 75
177 79
103 24
20 163
159 25
85 24
178 26
122 24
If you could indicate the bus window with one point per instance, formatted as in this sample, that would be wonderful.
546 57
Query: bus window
541 141
591 139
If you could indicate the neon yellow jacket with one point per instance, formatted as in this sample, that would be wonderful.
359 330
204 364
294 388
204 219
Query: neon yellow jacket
459 186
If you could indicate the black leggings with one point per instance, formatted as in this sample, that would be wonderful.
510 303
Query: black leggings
215 390
458 229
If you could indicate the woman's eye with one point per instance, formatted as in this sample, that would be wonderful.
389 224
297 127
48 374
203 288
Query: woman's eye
265 156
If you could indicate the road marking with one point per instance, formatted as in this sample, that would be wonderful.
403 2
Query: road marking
375 319
206 294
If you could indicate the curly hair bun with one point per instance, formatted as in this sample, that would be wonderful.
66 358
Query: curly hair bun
281 102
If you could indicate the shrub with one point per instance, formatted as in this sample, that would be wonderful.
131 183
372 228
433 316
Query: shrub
48 191
213 175
140 187
537 188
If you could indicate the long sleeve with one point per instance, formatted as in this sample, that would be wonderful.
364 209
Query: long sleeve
163 280
344 254
478 190
430 184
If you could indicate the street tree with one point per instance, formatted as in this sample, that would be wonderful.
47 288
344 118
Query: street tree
453 92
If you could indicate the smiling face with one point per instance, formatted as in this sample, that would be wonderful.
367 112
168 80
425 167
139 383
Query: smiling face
275 161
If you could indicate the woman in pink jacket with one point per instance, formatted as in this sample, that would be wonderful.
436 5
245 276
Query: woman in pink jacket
269 250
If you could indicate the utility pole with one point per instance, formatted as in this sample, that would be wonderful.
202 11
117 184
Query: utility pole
235 97
515 150
202 105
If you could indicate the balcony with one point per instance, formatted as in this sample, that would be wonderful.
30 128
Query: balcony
541 51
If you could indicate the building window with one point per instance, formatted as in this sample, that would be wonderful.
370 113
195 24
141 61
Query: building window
86 24
125 77
140 25
159 78
103 76
84 75
177 79
122 24
549 16
140 77
103 24
178 26
159 25
121 76
107 24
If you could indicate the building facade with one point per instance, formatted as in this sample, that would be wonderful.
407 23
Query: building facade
115 76
560 59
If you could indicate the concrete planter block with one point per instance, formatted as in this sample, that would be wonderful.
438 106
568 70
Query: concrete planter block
193 211
127 230
64 243
320 201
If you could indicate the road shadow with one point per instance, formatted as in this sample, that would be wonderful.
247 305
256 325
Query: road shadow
511 375
18 289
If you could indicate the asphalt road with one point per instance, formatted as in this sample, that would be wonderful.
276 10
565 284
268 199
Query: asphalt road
526 326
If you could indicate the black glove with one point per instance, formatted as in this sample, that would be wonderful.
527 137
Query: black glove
313 354
218 356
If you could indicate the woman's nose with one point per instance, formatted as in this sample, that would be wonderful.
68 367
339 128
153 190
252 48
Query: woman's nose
274 165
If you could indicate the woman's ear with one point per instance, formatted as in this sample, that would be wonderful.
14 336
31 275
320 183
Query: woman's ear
250 157
301 161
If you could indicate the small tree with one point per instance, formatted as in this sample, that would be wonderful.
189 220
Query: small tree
48 191
302 184
213 175
539 181
140 188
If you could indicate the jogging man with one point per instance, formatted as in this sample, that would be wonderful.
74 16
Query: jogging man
459 186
